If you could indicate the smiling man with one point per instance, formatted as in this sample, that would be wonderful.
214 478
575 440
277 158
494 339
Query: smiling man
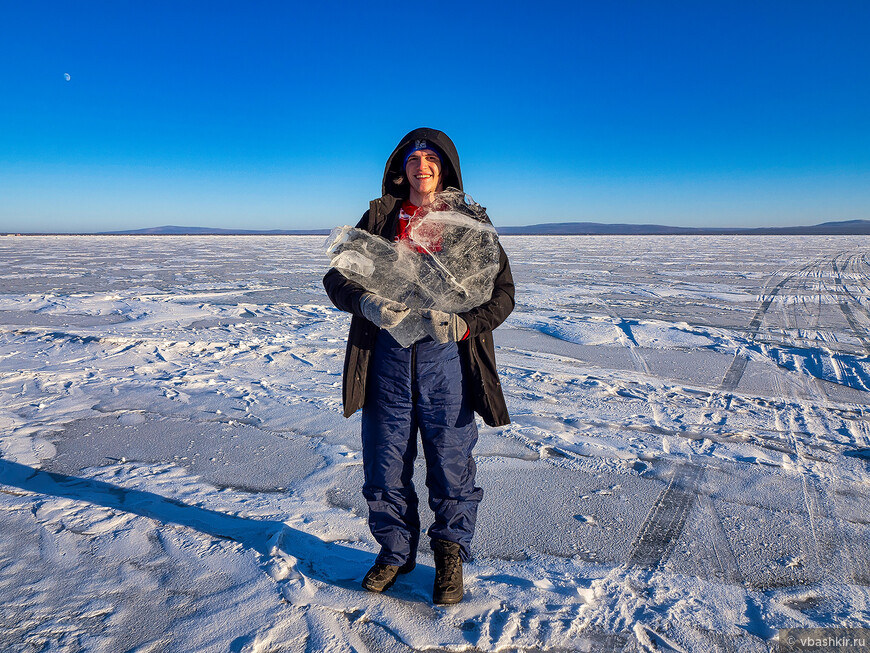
433 387
423 167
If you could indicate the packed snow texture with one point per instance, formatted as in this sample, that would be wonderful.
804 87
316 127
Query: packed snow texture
686 468
448 262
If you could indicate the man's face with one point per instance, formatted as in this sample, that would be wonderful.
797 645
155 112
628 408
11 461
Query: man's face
424 172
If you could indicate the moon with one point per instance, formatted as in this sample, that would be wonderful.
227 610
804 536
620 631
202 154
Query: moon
66 76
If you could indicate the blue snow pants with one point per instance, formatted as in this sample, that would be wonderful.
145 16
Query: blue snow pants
411 389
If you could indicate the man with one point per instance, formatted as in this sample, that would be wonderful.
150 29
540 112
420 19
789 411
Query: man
434 386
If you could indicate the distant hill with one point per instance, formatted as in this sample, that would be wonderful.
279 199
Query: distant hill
846 227
843 228
171 230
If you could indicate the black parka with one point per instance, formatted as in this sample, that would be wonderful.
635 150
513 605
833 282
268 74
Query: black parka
477 352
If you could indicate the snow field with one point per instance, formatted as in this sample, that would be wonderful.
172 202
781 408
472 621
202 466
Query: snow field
686 468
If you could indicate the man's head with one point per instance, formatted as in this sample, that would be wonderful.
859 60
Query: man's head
423 168
396 177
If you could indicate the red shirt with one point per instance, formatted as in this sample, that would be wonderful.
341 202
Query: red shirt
426 237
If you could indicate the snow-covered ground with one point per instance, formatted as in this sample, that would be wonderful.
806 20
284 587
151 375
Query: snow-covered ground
687 467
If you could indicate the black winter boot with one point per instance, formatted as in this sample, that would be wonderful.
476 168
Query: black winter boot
448 573
380 577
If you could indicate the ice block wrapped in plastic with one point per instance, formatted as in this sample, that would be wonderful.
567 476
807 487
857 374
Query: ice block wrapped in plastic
448 263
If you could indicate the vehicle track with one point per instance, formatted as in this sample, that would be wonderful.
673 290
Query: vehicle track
738 365
848 302
729 570
831 545
846 307
856 267
627 337
826 544
667 517
832 548
805 319
839 351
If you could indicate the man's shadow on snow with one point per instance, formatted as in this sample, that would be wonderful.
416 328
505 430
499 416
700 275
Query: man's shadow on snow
328 562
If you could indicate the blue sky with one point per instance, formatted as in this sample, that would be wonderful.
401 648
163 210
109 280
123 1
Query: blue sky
281 115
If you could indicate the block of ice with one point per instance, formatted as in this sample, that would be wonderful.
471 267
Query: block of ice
354 262
448 262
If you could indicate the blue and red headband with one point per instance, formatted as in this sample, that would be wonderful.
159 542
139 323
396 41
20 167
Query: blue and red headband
416 146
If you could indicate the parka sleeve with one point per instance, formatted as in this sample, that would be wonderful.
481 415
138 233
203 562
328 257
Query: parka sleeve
493 312
344 293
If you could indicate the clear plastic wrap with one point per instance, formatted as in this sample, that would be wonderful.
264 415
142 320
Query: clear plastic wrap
448 263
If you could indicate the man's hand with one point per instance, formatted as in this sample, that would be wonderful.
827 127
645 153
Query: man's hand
443 327
382 312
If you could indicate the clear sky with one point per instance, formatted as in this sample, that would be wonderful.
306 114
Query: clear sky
273 115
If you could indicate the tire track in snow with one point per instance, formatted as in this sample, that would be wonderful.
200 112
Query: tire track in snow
721 547
666 520
824 542
637 360
823 340
856 265
803 328
665 523
738 366
846 372
833 547
846 308
626 337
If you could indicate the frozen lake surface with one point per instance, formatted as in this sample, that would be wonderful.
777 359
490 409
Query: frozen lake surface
687 467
